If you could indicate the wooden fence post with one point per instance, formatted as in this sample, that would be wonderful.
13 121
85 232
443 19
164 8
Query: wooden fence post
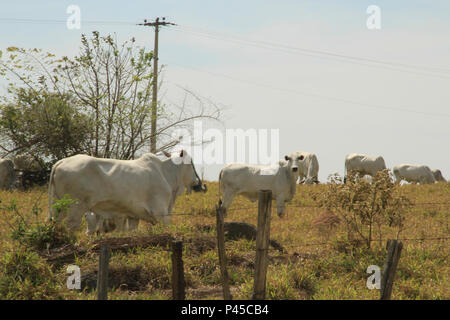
390 266
262 244
178 284
102 276
220 211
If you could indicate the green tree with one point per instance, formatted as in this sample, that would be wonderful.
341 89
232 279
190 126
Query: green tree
110 83
44 125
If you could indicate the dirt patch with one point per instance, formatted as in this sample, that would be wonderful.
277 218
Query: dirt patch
67 253
201 244
126 278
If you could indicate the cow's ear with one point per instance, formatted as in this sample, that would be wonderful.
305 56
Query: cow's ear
301 157
287 158
181 153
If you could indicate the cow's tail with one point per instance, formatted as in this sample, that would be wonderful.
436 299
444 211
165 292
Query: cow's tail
220 185
51 191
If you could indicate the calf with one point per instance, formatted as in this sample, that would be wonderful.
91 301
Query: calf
248 180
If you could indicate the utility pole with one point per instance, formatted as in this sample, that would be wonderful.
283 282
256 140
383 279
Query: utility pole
154 116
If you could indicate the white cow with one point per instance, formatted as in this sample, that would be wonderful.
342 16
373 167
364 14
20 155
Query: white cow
308 169
7 174
248 180
413 173
145 188
438 175
363 164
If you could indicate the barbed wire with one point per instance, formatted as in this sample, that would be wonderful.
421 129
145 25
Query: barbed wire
372 240
314 206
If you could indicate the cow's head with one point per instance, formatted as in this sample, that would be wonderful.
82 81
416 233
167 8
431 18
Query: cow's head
294 161
189 176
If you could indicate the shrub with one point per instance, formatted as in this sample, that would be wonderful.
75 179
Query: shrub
365 207
36 235
24 275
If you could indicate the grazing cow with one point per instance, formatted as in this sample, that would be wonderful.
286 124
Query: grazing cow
363 164
438 175
413 174
7 174
308 169
248 180
145 188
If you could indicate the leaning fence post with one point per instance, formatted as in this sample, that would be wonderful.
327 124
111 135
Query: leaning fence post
178 285
102 276
390 266
221 250
262 244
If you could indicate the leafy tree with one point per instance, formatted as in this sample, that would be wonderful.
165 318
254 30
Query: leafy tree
43 125
111 84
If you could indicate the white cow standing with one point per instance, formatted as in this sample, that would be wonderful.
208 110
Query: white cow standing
145 188
7 174
413 174
438 175
248 180
308 169
363 164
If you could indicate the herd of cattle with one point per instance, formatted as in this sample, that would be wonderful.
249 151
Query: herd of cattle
116 194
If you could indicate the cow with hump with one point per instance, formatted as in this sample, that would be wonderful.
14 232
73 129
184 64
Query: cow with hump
363 164
145 188
413 173
248 180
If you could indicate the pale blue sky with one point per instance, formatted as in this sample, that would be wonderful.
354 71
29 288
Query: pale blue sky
270 85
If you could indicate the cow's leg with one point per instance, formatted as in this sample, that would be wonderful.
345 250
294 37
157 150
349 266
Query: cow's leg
120 223
228 197
74 216
280 206
92 223
397 178
132 224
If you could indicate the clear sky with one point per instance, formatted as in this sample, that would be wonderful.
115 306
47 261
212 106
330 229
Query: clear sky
332 104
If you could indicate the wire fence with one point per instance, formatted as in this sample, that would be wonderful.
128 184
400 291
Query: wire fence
255 207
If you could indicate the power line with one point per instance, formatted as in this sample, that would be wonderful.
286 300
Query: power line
312 94
55 21
316 53
271 46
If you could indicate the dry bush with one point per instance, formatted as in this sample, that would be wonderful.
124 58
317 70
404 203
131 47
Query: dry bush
326 223
365 207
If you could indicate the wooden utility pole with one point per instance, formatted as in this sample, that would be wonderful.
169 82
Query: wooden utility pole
154 117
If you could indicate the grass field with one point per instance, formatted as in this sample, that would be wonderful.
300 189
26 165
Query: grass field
317 263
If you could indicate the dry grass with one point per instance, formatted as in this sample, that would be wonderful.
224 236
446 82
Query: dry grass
317 265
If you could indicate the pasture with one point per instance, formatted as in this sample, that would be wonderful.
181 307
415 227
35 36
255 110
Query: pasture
316 264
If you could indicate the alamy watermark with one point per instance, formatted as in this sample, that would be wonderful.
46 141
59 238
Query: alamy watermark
73 22
374 20
74 280
212 146
374 281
